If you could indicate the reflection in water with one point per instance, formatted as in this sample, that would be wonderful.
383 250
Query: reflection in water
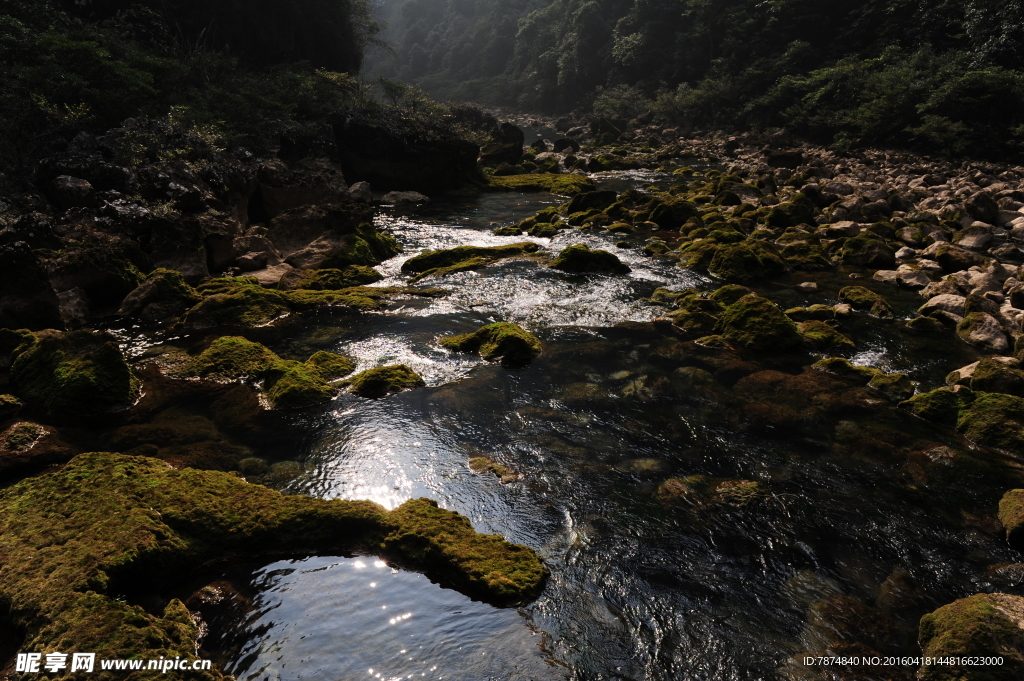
356 618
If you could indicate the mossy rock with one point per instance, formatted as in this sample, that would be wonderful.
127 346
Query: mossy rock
729 294
1011 516
510 230
704 491
13 341
565 184
331 366
332 278
758 324
22 436
790 214
746 261
9 406
867 252
995 420
230 358
163 295
861 298
983 625
897 387
383 381
698 255
74 374
840 366
694 322
983 331
991 376
579 258
806 257
121 520
544 230
938 406
670 215
817 312
925 325
482 464
293 385
821 336
434 260
235 302
505 341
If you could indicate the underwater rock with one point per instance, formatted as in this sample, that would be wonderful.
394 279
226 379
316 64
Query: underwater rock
138 519
74 374
701 491
483 464
508 342
579 258
382 381
983 625
860 298
163 295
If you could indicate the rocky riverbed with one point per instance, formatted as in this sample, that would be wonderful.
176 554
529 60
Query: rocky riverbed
800 344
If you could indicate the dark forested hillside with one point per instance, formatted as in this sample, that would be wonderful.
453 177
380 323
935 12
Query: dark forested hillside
934 74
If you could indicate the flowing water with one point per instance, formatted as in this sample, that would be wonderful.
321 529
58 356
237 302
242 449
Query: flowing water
638 589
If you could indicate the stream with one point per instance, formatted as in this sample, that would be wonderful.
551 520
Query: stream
639 590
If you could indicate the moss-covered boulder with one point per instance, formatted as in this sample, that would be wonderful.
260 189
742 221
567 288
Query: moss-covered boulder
505 341
995 420
938 406
383 381
121 521
981 626
897 387
355 299
822 337
235 302
9 406
230 358
729 294
993 376
74 374
983 331
860 298
746 261
434 263
565 184
163 295
1011 516
332 278
579 258
758 324
840 366
292 385
867 250
331 366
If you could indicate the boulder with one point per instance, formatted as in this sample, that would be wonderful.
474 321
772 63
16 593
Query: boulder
506 146
71 192
107 273
939 406
946 302
235 302
985 625
330 279
747 260
983 331
72 375
579 258
822 337
383 381
758 324
162 296
505 341
26 298
995 420
310 181
293 385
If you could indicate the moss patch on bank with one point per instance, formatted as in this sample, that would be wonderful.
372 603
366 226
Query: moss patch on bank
75 538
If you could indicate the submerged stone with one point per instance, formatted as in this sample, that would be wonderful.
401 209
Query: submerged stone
482 464
505 341
382 381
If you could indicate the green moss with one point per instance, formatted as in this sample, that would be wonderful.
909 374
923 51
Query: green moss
503 340
823 337
462 266
729 294
860 298
805 257
432 260
939 406
22 436
669 214
482 464
694 322
840 366
1011 516
366 247
122 520
758 324
510 230
579 258
333 279
235 302
982 625
9 406
163 295
565 184
818 312
330 365
995 420
382 381
359 299
996 377
293 385
232 358
74 374
746 261
698 255
896 387
925 325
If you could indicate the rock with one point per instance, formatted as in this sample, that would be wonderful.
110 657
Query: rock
913 278
155 519
310 181
382 381
983 208
74 307
807 287
235 302
579 258
587 200
9 406
791 158
977 237
939 406
71 192
983 331
995 375
271 276
840 366
890 277
293 385
897 387
746 261
946 302
330 279
404 198
822 337
867 252
564 184
954 259
861 298
251 261
758 324
230 358
506 146
508 342
333 250
360 192
107 273
483 464
72 375
461 258
563 143
331 366
1011 516
27 301
994 420
294 229
979 627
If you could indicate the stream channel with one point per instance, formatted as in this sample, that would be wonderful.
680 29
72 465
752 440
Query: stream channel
639 589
